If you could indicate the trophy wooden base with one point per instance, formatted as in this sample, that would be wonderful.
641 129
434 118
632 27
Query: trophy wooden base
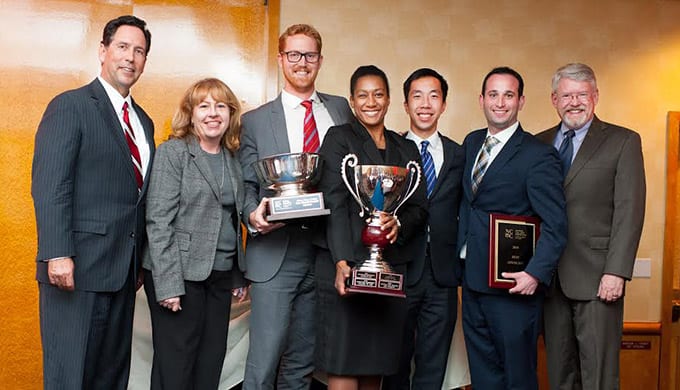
376 282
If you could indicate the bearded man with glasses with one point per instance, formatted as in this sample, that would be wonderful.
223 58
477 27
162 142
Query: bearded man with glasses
604 183
280 257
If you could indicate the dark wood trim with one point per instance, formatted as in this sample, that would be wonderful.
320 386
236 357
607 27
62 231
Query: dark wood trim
641 328
272 28
666 372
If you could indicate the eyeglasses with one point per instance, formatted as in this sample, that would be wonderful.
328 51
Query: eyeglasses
294 57
579 96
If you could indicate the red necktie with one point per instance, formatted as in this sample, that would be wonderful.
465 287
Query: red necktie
311 135
134 151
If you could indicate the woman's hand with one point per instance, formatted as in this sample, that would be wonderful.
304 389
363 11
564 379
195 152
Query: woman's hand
390 223
171 304
342 272
241 293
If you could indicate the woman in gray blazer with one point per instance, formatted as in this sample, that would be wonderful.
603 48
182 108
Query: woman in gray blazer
195 257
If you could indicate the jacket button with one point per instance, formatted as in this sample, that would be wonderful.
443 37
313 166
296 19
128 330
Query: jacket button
132 234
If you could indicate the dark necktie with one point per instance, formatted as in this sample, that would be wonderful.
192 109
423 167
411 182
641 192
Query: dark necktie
483 162
428 167
567 150
134 151
311 135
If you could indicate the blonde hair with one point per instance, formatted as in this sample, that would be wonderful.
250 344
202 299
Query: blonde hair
181 122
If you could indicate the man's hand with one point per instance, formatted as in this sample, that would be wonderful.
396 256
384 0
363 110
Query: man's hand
525 283
342 271
611 288
257 219
60 273
171 304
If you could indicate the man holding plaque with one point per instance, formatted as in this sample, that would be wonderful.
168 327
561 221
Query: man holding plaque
433 275
280 257
508 172
604 183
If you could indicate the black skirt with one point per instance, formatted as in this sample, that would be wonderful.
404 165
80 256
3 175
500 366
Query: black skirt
359 334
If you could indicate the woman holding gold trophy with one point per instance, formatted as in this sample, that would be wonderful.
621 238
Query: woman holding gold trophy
359 334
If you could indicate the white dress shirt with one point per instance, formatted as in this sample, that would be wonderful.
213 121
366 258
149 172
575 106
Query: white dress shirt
436 148
294 113
140 136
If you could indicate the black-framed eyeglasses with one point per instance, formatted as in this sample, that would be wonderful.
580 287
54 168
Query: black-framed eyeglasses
311 57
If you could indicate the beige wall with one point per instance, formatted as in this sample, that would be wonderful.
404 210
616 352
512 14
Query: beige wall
633 45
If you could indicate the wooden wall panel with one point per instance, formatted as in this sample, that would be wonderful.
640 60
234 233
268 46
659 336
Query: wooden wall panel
50 46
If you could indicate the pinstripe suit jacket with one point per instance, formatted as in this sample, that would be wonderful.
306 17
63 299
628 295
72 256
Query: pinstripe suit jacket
87 205
184 216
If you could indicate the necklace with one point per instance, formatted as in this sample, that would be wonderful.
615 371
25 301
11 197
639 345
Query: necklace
224 163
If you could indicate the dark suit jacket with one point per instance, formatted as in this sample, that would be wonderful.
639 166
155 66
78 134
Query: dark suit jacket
605 192
86 200
443 205
184 217
264 134
524 179
344 224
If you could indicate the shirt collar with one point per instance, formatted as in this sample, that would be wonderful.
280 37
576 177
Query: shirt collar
434 139
291 101
114 96
504 135
578 132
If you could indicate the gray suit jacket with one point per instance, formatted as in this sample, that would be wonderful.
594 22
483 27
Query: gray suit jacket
264 134
605 193
87 205
184 216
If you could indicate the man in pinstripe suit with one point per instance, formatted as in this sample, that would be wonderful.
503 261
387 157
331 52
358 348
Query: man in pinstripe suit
93 148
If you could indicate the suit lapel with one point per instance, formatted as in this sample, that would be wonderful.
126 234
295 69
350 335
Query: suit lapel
109 116
508 151
147 127
472 146
203 166
367 145
278 122
594 137
233 169
332 110
447 147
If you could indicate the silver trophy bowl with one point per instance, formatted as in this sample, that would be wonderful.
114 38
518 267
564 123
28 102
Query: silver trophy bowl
289 174
378 188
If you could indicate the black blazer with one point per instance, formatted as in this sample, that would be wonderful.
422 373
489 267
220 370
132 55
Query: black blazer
344 224
87 205
443 222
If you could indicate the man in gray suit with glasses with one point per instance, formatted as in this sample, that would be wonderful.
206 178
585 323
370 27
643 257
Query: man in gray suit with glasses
280 257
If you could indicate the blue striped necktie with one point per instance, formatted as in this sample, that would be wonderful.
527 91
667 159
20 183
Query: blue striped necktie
428 167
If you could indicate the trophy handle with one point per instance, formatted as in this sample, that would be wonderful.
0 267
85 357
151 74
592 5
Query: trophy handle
351 160
414 168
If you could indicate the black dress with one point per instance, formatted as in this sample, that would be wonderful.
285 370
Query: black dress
361 334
